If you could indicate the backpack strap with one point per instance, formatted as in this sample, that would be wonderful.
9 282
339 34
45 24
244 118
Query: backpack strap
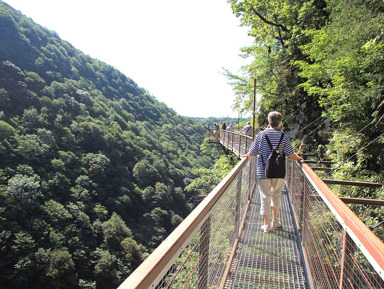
269 142
281 139
265 135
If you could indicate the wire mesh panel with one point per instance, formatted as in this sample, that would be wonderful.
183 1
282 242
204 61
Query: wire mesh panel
338 254
323 239
197 258
235 141
295 180
202 263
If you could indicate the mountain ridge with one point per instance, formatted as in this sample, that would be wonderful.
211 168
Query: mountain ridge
93 170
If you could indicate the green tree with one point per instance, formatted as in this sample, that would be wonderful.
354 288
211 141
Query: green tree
6 130
133 252
23 189
115 230
145 174
61 270
57 213
345 73
84 189
107 270
278 29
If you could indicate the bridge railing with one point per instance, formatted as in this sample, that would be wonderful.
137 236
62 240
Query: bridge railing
236 142
339 249
197 253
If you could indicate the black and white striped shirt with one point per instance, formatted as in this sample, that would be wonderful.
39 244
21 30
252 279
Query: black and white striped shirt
260 147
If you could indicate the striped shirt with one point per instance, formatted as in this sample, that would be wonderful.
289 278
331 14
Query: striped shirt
260 147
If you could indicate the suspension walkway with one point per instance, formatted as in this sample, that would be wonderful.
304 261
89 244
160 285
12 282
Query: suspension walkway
322 244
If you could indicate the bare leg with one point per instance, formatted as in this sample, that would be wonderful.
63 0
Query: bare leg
275 212
267 219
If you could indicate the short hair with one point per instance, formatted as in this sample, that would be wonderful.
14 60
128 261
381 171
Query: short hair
274 118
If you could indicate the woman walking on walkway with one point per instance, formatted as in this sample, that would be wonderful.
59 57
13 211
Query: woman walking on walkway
271 188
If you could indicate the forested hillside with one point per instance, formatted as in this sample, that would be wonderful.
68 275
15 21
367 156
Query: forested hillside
93 168
320 62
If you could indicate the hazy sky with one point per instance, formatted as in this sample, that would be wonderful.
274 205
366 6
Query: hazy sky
175 49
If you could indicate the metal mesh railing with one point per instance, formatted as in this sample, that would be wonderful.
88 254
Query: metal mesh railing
236 142
340 251
196 254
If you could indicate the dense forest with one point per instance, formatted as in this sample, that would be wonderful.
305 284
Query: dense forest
93 170
321 63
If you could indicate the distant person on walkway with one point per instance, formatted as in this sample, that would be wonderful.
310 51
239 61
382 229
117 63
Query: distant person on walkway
230 128
217 130
224 126
270 189
247 129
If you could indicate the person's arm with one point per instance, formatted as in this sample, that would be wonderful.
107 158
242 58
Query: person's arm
295 157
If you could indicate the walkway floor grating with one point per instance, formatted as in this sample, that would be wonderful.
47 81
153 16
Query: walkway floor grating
268 260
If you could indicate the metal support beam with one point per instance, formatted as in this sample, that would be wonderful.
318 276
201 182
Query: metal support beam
352 183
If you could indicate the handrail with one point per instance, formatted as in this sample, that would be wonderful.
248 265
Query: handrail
353 183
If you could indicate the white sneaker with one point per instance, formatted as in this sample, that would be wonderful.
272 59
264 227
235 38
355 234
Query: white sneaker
276 224
265 228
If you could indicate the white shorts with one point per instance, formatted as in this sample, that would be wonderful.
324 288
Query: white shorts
270 190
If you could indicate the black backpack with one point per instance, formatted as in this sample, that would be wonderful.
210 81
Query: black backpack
275 165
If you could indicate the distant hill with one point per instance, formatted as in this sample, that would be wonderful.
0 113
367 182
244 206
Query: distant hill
93 168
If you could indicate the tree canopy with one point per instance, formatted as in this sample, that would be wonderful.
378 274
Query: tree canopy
93 168
320 63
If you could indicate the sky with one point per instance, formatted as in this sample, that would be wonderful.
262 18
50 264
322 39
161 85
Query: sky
175 49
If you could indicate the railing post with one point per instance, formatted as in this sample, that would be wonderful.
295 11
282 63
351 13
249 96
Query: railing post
291 164
301 221
250 181
238 202
245 146
232 141
239 145
347 273
205 233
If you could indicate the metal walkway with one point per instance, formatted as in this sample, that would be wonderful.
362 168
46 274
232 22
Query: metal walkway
220 244
268 260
